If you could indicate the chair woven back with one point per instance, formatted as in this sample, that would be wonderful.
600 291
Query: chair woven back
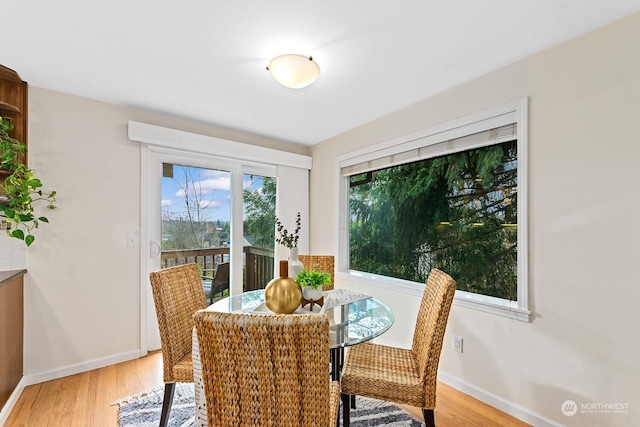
177 294
430 326
265 370
324 263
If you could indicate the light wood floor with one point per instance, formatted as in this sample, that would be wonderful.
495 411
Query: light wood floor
84 400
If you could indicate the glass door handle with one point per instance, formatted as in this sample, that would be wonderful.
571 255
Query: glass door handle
154 249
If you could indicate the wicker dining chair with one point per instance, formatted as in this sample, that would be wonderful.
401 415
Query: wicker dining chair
405 376
324 264
178 294
267 370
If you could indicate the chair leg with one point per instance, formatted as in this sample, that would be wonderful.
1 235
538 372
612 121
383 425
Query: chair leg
166 403
346 409
429 420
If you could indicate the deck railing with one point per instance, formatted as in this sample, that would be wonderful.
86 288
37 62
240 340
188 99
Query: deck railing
258 263
207 258
258 267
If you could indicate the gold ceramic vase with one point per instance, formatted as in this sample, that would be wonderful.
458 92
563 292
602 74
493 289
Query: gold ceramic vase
283 294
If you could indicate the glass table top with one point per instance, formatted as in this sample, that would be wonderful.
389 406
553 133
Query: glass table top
350 324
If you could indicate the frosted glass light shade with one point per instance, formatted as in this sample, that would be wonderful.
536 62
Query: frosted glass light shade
294 71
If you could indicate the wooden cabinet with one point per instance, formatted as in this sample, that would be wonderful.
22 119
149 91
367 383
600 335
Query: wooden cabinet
13 103
14 97
11 331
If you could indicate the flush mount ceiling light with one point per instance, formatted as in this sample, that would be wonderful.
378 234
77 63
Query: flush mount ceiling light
294 71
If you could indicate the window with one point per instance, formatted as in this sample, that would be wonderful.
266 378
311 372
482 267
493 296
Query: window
196 210
449 198
196 223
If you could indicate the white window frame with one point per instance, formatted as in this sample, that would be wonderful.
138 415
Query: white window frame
513 112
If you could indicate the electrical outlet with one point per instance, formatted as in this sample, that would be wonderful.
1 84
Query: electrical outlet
457 344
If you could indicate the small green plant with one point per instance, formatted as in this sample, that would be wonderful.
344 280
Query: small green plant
313 278
284 238
20 189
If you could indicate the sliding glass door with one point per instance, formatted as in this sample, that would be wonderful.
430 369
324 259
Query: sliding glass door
261 181
196 212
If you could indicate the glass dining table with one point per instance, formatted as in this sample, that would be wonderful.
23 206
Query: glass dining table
353 318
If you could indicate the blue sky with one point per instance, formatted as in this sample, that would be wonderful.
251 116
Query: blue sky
209 188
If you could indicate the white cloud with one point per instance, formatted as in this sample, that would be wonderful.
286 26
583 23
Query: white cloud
167 202
215 180
209 204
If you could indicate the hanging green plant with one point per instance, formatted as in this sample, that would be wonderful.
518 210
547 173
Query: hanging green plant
20 188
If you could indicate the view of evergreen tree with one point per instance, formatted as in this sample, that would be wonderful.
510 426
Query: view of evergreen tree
260 211
456 212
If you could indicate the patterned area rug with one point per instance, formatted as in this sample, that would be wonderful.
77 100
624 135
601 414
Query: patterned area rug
143 410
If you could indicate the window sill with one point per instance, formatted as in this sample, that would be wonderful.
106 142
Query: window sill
487 304
478 302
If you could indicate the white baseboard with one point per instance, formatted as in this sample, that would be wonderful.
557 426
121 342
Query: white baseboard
498 402
89 365
65 371
13 398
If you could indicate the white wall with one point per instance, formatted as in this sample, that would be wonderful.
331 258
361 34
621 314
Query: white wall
82 290
584 160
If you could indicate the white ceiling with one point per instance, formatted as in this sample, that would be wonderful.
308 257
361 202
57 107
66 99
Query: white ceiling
205 59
